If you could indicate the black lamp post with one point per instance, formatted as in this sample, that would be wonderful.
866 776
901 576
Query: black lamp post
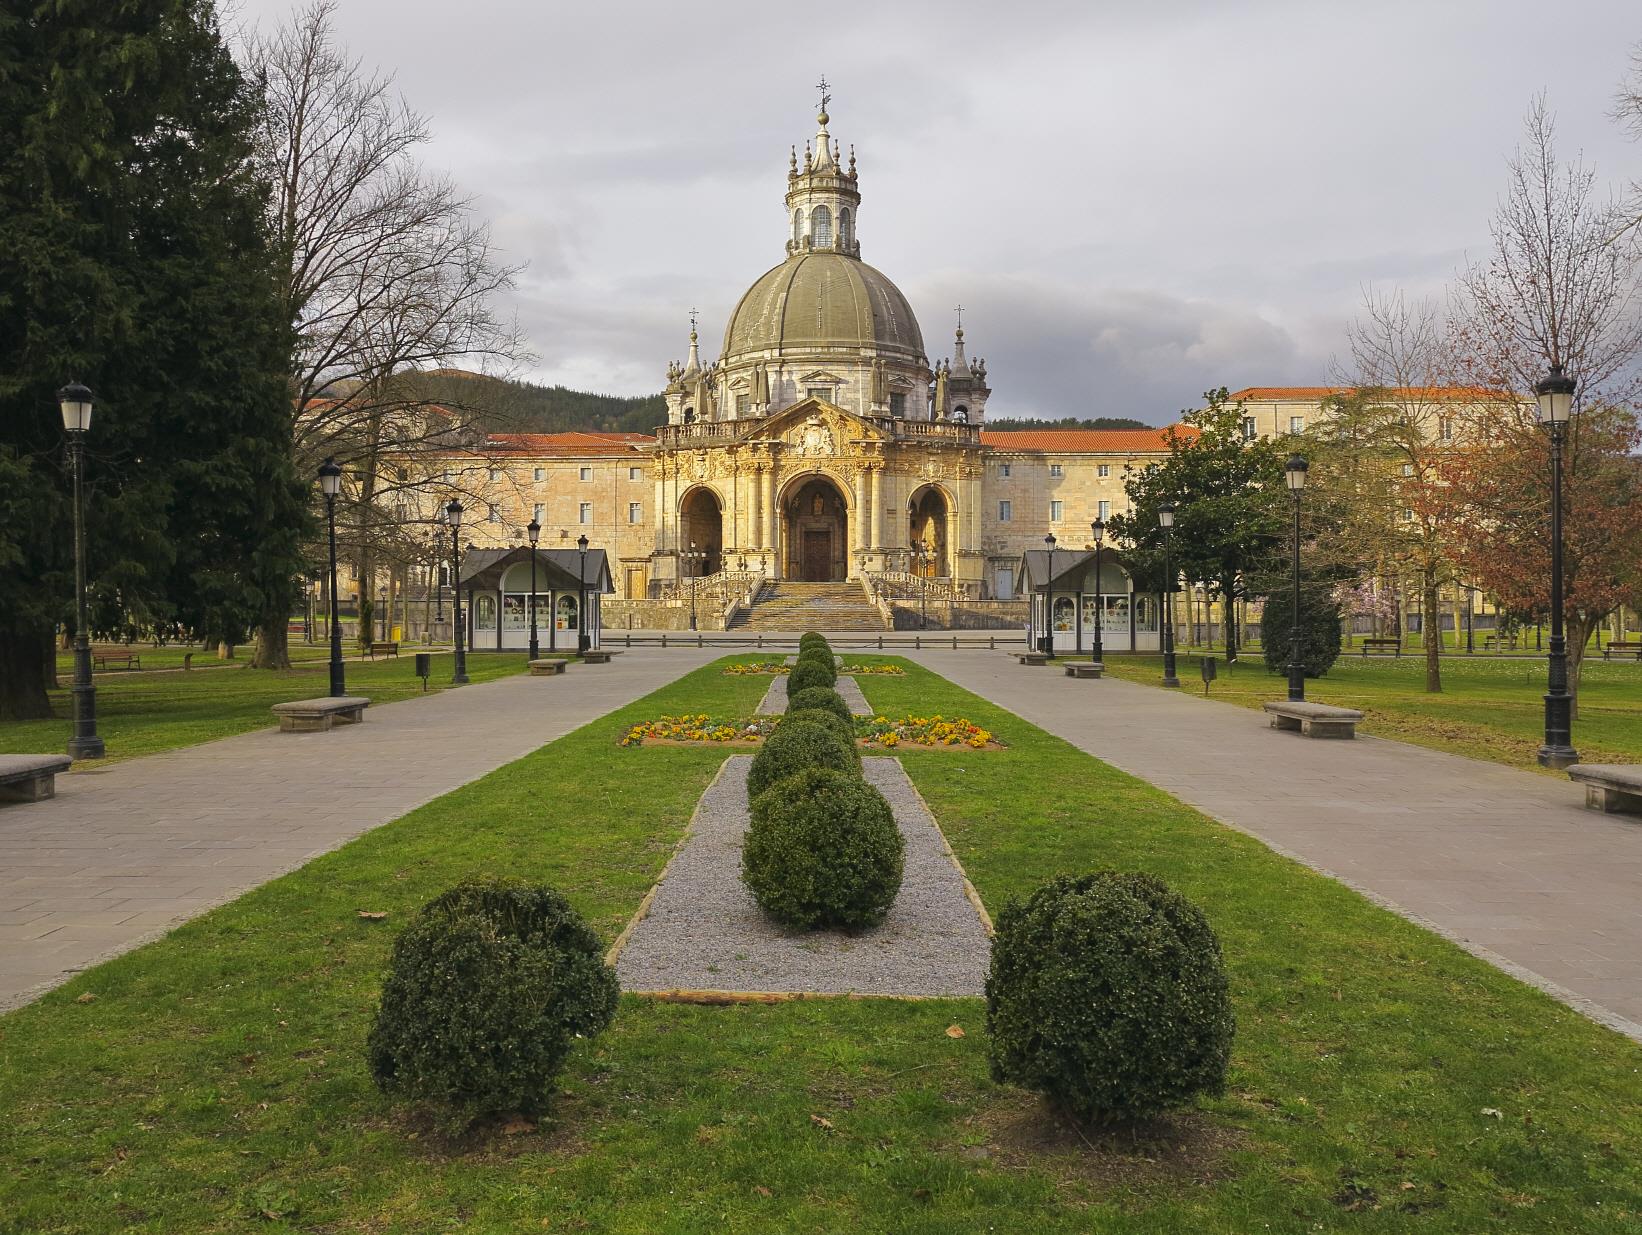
1097 649
582 641
330 481
438 588
692 558
534 531
1049 598
453 516
75 402
1555 395
1294 472
922 559
1165 519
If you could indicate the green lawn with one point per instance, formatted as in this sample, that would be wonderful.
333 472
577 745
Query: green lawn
1383 1079
172 654
1490 707
141 713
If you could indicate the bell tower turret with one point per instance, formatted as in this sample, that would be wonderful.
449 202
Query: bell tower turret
824 198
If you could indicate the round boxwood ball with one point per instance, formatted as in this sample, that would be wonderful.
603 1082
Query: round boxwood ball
810 673
845 729
487 989
1107 994
820 697
823 852
797 745
813 638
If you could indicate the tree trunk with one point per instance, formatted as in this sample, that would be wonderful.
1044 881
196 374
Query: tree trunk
28 660
273 649
1431 631
367 597
1580 626
1228 589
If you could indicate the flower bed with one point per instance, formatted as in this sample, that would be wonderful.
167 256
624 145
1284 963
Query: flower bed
699 728
916 732
751 668
883 671
742 669
929 731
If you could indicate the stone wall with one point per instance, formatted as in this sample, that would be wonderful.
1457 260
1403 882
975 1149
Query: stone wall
657 615
963 615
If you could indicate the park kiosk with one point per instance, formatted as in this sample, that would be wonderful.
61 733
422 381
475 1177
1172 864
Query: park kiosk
496 598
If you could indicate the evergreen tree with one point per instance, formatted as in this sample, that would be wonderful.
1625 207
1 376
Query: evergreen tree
133 258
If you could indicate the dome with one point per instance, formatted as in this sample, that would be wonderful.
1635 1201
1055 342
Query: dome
823 299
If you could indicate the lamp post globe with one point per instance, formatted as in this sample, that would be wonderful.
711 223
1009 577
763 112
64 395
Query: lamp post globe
582 641
1294 475
75 402
1096 648
453 517
1165 520
1554 395
534 531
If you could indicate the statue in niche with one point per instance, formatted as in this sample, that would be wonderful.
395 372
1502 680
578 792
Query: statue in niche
818 505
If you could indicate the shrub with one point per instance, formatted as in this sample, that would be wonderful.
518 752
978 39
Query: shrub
827 720
823 851
488 987
1107 994
813 639
1319 631
810 673
797 745
822 697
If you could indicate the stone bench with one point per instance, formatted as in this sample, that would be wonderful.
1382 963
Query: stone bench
1031 658
1613 788
31 778
1084 669
597 656
548 666
318 715
1315 720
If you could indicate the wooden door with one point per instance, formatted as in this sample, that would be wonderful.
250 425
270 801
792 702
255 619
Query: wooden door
817 560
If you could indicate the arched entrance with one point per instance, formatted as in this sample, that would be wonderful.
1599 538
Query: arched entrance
701 519
926 526
815 521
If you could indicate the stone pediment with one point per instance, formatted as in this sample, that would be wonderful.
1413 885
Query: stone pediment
815 428
821 375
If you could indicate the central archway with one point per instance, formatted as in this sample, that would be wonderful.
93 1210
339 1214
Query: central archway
701 519
815 524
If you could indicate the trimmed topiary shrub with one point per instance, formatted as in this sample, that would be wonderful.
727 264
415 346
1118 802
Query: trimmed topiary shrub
1319 631
845 729
807 674
812 638
1107 994
797 745
822 697
488 987
823 851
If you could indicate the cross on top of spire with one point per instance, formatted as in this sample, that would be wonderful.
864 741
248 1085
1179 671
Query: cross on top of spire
826 93
692 321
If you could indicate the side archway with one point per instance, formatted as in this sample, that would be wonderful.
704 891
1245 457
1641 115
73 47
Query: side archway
928 520
701 522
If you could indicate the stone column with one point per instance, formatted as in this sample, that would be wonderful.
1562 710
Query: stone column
861 525
772 513
878 504
758 506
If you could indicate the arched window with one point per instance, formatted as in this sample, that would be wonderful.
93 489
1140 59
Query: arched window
960 414
798 227
565 619
845 222
821 227
484 612
689 415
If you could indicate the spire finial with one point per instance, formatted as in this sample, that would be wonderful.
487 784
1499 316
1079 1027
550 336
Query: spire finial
792 161
693 365
826 97
852 158
693 316
959 310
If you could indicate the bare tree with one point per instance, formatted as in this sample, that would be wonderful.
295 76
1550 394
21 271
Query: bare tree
1628 112
387 274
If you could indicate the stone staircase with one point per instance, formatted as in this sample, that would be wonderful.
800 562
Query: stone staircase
787 606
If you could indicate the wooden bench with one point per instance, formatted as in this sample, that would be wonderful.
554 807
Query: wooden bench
597 656
1315 720
548 666
1613 788
31 778
1377 644
1031 658
1496 642
1084 669
317 715
1622 648
127 660
387 649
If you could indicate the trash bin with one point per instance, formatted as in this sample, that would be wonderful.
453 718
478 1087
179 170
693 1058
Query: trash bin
424 666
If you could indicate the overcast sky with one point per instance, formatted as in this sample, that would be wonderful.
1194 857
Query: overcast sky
1131 206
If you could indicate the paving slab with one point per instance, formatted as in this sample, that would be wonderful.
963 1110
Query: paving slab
126 851
1507 863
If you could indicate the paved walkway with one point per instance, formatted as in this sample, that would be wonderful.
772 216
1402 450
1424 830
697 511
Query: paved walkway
128 850
1507 863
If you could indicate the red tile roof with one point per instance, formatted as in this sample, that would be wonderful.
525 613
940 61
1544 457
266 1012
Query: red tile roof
1083 441
574 443
1311 394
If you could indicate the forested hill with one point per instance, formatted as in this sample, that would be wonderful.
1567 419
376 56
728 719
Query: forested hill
509 406
1098 422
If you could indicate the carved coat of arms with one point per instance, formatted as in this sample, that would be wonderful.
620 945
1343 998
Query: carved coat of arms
815 441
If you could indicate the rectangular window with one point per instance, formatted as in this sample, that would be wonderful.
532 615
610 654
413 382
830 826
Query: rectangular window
536 512
1055 509
587 473
541 473
1445 429
1248 428
818 392
1408 514
635 511
1297 424
1408 469
743 404
495 473
1003 470
1003 512
585 514
1103 470
897 404
634 473
495 515
1056 471
1104 511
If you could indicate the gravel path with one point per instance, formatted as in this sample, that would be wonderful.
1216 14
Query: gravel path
774 702
704 932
